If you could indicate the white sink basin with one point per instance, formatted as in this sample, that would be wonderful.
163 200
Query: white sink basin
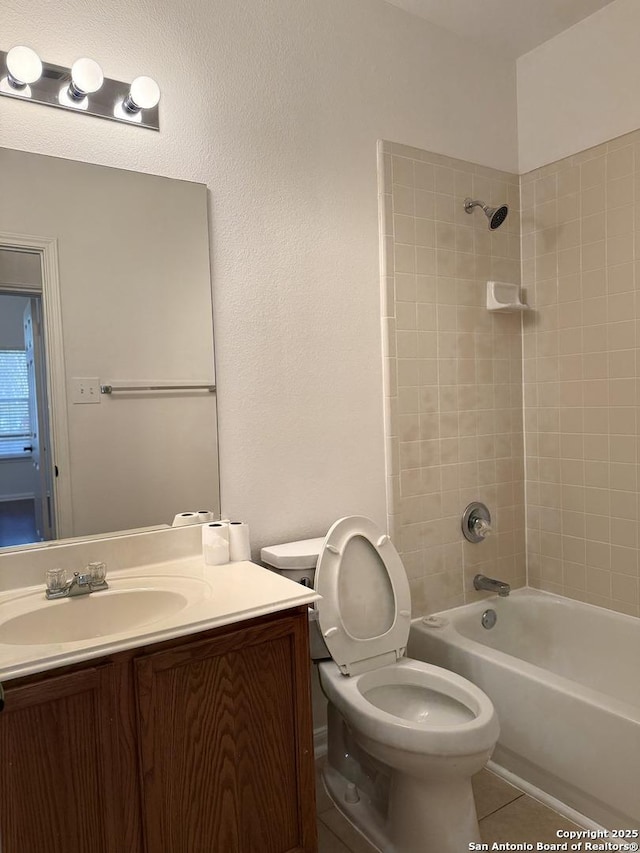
33 620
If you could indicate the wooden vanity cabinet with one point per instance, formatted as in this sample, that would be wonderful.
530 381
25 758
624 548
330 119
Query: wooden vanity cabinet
201 744
60 753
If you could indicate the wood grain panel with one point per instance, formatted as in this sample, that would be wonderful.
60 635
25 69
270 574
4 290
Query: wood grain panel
306 780
52 772
265 740
123 801
222 726
187 755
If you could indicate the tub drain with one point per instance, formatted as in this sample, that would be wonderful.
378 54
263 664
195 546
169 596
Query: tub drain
489 618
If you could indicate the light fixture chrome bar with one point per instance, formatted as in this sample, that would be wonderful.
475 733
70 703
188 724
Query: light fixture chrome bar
114 389
50 90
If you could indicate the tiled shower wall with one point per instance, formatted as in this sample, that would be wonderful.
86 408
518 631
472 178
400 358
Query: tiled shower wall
453 373
580 242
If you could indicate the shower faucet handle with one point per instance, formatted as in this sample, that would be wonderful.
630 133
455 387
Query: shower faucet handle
481 527
476 522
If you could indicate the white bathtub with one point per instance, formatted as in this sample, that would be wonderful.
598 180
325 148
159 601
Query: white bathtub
565 680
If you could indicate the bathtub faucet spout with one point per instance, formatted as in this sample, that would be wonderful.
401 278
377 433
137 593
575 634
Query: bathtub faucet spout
492 585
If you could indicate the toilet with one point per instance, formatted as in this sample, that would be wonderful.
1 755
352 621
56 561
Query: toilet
404 737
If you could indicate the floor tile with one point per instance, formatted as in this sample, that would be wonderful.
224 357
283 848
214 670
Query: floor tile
328 842
491 793
341 827
322 798
523 820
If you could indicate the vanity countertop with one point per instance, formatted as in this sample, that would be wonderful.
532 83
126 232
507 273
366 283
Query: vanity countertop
215 596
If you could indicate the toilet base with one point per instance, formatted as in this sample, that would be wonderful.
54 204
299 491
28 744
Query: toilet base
432 818
413 828
362 815
397 812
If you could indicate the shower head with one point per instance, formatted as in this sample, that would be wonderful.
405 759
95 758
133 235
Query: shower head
495 215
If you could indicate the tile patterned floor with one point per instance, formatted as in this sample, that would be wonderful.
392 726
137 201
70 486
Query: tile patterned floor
504 814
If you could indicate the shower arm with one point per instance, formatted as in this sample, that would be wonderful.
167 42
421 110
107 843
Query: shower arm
470 203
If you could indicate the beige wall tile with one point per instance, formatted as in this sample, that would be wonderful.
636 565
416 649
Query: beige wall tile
593 172
457 371
620 162
592 200
595 456
458 379
619 192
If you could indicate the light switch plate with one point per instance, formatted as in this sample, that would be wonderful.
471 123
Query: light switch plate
85 389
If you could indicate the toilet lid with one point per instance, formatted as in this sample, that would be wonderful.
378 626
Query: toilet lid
365 611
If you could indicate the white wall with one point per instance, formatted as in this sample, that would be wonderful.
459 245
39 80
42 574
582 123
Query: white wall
277 107
580 88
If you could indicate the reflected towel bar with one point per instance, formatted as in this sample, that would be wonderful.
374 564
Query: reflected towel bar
112 389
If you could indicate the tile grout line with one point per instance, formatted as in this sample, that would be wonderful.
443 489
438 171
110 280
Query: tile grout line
503 806
337 837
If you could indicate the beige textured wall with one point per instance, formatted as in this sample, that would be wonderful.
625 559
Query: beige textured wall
580 88
580 242
277 107
453 373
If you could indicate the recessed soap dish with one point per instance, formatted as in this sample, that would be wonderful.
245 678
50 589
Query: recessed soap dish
504 298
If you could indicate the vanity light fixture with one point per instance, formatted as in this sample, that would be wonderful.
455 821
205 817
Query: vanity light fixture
81 88
24 67
143 95
86 78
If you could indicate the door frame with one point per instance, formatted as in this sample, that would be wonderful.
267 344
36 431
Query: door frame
60 456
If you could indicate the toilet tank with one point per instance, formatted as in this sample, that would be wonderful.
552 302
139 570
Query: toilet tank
297 561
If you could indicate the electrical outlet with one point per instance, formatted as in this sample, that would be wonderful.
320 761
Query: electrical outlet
85 389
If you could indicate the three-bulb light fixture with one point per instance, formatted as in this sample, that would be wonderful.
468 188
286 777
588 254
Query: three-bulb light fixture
83 87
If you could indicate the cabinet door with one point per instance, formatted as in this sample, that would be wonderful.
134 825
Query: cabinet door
58 762
225 739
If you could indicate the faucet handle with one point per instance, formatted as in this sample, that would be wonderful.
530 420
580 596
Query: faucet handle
97 574
481 527
55 579
476 522
97 571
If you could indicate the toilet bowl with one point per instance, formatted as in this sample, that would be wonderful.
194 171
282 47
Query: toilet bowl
432 730
404 737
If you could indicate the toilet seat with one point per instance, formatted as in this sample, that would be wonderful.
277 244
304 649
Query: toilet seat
356 550
365 622
349 695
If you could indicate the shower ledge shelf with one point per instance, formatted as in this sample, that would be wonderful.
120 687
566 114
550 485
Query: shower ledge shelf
504 298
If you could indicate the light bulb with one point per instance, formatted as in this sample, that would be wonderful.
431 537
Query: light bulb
86 78
143 95
23 66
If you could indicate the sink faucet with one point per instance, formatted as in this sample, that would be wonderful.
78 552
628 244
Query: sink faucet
92 579
492 585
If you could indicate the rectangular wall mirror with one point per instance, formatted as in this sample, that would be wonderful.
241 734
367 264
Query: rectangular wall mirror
104 281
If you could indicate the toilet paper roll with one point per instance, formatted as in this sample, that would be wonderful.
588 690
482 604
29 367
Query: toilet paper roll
239 544
215 543
204 516
184 518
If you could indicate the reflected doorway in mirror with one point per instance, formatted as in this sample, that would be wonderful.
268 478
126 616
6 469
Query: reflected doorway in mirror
28 497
